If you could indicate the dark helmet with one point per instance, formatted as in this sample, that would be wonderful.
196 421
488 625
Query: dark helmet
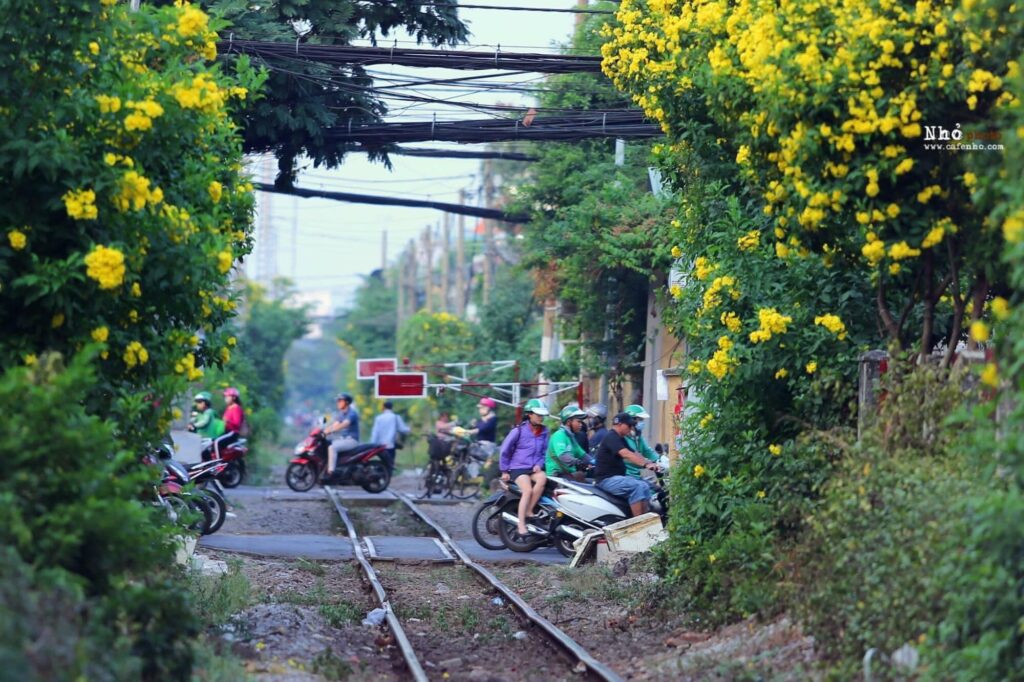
347 397
624 418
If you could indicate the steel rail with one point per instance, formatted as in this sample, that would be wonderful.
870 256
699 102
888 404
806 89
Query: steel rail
408 653
565 641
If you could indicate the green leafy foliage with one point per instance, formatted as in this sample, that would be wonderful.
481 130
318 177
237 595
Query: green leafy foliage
85 564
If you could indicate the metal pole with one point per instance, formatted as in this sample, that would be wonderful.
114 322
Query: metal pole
445 257
460 261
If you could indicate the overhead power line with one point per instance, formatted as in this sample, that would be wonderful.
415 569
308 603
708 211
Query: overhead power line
489 213
579 126
451 154
337 55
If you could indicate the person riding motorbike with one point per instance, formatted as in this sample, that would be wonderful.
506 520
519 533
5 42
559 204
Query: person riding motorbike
487 426
564 455
596 416
636 442
204 419
234 421
522 459
346 423
610 472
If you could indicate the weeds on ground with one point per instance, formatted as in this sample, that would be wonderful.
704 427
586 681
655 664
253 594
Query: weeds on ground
330 666
216 664
341 613
217 598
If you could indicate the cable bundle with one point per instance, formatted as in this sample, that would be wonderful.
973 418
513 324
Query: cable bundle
339 55
585 124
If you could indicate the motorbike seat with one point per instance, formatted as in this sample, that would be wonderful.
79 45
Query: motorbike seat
620 502
357 450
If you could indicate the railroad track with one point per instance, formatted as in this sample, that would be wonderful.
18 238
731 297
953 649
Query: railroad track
584 662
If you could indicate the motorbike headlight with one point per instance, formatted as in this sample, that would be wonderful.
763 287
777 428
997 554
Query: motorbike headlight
300 448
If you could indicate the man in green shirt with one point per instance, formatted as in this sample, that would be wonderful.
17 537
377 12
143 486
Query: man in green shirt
636 441
204 419
564 455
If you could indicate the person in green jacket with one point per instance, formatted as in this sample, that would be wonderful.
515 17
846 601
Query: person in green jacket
637 442
564 454
204 420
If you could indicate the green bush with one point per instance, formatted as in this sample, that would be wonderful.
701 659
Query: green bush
870 568
85 569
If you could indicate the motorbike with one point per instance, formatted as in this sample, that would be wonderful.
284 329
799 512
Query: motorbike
487 521
234 455
363 465
179 502
542 528
204 477
584 506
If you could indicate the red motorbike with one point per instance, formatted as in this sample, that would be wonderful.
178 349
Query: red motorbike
234 455
363 465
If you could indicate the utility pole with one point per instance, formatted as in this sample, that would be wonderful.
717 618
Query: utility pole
400 307
384 252
580 18
488 232
429 260
412 277
445 257
460 261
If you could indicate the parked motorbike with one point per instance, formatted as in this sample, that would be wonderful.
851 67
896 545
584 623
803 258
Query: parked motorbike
363 465
234 455
541 528
204 477
179 502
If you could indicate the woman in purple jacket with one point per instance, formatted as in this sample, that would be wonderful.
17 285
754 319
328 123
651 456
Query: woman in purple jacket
522 459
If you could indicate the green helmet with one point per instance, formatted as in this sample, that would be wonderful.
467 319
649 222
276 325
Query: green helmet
637 412
536 406
204 395
570 411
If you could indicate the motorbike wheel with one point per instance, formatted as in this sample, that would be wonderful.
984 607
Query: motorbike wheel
300 477
377 478
218 507
563 543
485 527
187 505
508 534
435 480
233 475
463 485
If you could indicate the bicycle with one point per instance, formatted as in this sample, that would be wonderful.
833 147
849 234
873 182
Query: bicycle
455 469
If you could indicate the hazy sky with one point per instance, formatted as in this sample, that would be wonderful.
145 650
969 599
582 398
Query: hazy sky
325 244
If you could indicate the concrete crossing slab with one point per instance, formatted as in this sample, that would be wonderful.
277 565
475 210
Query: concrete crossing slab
409 548
359 497
242 492
293 546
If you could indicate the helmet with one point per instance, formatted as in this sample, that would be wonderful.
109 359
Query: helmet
205 396
570 411
487 402
232 392
347 397
598 410
637 411
536 406
624 418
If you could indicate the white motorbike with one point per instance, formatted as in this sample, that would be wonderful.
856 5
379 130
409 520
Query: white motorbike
582 507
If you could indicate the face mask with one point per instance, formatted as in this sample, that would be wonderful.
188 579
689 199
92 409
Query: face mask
640 427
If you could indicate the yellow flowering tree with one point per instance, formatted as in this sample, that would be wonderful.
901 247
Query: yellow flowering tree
123 197
859 126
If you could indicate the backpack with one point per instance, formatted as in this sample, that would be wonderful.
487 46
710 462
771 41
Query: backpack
400 440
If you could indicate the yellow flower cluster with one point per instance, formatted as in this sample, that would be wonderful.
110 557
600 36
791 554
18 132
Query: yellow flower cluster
775 449
874 250
698 471
936 234
187 366
142 114
134 193
224 260
979 331
81 204
215 190
902 250
17 239
135 354
100 334
731 321
192 22
811 367
106 266
833 324
782 373
201 93
1013 227
772 322
713 294
108 104
750 241
1000 308
721 363
702 268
